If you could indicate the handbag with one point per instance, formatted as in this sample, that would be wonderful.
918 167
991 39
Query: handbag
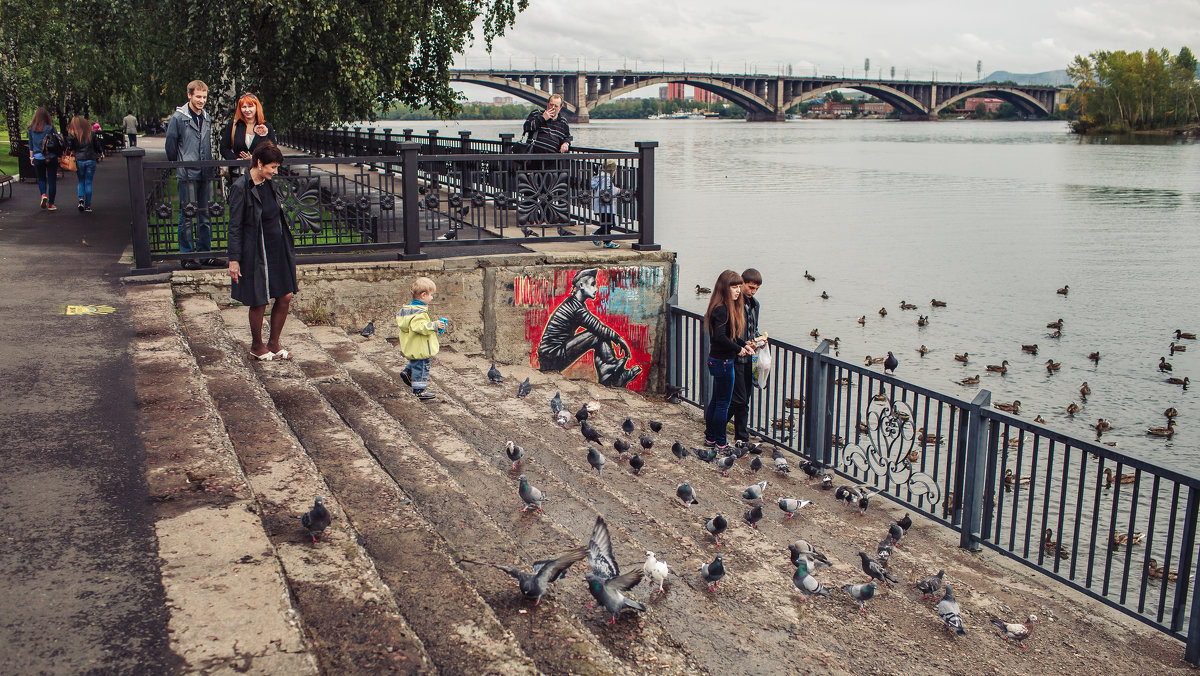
67 162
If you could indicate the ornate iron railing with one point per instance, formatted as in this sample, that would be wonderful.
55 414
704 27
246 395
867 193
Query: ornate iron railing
1117 528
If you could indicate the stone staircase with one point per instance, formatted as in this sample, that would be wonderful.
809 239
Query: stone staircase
421 490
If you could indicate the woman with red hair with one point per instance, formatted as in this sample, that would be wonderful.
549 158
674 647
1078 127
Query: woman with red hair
246 130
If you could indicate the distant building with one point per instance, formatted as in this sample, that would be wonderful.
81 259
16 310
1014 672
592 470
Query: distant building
831 109
662 93
992 105
705 96
502 100
677 90
876 109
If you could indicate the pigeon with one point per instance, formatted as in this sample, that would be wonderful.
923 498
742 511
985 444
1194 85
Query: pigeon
596 459
532 496
556 406
812 470
524 388
494 375
753 516
947 609
849 495
864 500
317 519
655 426
791 505
826 481
713 572
515 453
756 464
805 582
368 330
1017 630
671 393
861 593
716 526
545 572
679 450
646 442
801 549
929 586
627 427
890 363
636 463
589 432
687 494
871 567
904 524
738 450
884 551
605 583
581 415
896 533
656 571
781 465
620 445
725 464
705 454
563 419
754 449
754 492
528 232
563 232
599 552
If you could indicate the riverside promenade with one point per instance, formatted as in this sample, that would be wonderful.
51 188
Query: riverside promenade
155 478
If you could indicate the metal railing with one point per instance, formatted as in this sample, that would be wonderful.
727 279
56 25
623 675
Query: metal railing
1119 529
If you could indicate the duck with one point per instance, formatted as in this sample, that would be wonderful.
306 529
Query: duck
1054 334
1163 431
809 277
1072 408
1055 325
1002 368
882 312
702 289
1180 381
1084 390
1102 425
1010 408
1049 545
1110 478
814 333
870 361
794 403
1065 290
862 321
1120 539
1052 365
923 350
1179 335
835 342
1011 479
1177 348
1039 419
1095 357
974 380
1164 365
925 438
862 427
1014 442
1157 573
1031 349
907 306
824 296
962 357
922 320
937 303
1171 412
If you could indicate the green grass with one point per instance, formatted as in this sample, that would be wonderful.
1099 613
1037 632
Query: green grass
7 162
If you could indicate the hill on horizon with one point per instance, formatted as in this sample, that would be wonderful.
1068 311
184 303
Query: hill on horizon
1055 78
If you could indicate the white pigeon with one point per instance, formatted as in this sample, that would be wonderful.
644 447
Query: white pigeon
656 571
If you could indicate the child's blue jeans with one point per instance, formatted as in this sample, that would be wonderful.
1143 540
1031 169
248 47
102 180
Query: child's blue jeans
418 373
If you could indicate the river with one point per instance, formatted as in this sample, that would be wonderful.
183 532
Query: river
990 217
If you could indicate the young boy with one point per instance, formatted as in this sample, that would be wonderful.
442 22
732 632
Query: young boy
419 337
743 367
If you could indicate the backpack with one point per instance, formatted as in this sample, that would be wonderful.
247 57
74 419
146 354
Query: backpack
53 144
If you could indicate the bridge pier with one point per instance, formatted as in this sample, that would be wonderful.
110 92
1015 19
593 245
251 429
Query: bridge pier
574 91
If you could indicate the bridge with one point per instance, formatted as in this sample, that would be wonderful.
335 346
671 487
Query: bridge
765 98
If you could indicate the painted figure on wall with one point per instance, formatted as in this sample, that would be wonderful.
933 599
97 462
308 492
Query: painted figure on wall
573 330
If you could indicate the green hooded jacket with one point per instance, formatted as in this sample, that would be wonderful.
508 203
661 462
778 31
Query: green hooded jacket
418 334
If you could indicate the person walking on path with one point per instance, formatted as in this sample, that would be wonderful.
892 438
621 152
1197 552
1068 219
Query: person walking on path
725 320
262 257
83 140
129 124
419 337
743 367
189 139
604 194
45 164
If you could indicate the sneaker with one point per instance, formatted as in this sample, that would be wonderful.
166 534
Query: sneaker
596 242
51 208
45 201
611 245
80 205
212 262
709 444
87 210
406 377
425 395
723 448
189 264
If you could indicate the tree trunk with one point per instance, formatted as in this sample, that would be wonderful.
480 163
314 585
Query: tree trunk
12 100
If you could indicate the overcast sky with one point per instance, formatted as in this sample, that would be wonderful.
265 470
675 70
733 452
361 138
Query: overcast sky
832 37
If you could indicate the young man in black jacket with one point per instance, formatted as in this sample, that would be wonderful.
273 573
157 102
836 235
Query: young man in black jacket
743 367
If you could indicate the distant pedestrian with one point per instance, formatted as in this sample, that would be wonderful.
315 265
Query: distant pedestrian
83 140
725 320
419 337
743 367
262 258
130 124
245 131
189 139
45 164
604 195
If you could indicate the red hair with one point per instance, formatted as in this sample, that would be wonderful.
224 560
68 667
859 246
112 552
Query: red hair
237 114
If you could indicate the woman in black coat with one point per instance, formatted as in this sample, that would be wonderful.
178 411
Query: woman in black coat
262 259
246 130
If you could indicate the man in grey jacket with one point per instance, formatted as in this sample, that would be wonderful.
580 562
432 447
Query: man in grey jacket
189 139
129 124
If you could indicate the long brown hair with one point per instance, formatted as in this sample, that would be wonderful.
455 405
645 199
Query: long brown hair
41 118
80 128
261 118
723 295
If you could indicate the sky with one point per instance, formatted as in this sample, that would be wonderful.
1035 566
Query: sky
917 37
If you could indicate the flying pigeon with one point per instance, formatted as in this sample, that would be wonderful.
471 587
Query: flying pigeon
605 583
532 496
861 593
317 519
716 526
929 586
515 453
725 464
687 494
589 432
494 375
805 582
655 570
368 330
754 492
864 500
556 406
890 363
756 464
563 419
849 495
600 554
713 572
581 415
753 516
1018 630
791 505
655 426
596 459
620 445
545 572
627 427
947 609
524 388
636 463
646 442
801 549
871 567
679 450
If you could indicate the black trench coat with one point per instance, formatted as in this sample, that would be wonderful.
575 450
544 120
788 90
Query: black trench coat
246 243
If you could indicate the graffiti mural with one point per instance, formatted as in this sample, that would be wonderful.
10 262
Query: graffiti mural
592 321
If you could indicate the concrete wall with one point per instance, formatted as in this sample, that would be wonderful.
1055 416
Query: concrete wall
498 305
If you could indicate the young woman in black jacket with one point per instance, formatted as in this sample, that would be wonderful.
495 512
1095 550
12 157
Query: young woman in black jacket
725 320
85 143
246 130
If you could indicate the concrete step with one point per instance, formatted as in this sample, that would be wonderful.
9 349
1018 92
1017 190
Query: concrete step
351 618
456 627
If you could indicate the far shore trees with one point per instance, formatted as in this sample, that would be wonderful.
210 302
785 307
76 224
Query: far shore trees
1133 91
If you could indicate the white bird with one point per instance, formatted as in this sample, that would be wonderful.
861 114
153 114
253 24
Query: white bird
656 571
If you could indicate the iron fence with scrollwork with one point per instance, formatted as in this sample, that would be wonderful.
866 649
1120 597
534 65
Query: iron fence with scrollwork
1119 529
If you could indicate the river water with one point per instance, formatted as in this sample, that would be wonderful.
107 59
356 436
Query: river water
991 217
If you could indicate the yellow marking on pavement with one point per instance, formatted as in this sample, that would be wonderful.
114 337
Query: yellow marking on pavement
89 310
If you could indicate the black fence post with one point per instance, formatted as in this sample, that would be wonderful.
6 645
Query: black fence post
645 196
1192 653
410 198
407 135
139 225
372 149
818 406
974 473
506 140
464 168
705 383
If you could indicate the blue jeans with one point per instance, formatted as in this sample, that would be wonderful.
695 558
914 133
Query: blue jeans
85 170
716 414
47 177
194 233
418 372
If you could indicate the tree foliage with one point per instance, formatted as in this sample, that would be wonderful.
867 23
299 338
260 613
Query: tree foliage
1131 91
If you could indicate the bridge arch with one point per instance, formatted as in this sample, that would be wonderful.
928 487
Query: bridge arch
538 97
902 102
747 100
1024 102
